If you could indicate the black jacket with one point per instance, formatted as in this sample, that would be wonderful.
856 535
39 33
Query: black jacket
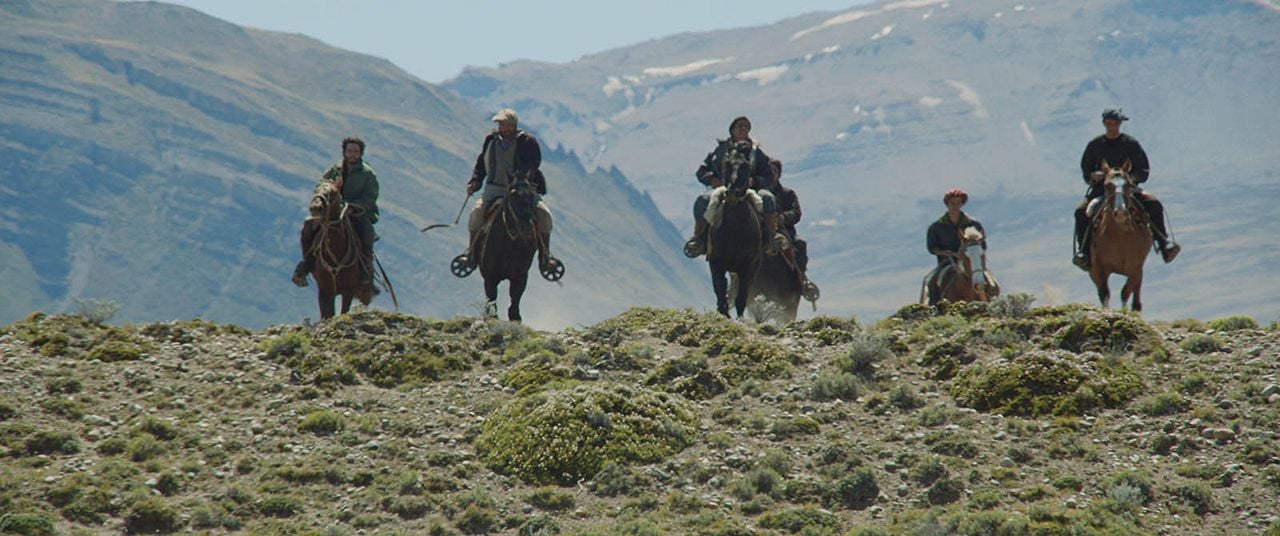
945 236
788 204
714 166
1115 152
528 159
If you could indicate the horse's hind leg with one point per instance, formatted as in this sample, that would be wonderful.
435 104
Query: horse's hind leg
744 288
326 304
516 290
1133 286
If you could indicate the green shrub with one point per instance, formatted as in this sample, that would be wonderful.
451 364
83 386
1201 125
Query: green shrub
805 519
143 447
566 435
63 385
1162 443
928 471
550 498
865 350
1200 343
478 515
160 429
945 358
944 491
905 398
291 345
7 410
60 406
1259 452
855 491
1233 323
1015 305
151 515
322 422
688 376
786 428
280 506
1107 331
1167 403
835 385
614 479
539 525
743 359
534 372
1126 487
1046 383
116 350
51 442
27 524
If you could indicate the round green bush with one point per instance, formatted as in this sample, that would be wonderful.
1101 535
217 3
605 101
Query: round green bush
1046 382
1233 323
1107 331
567 435
1200 343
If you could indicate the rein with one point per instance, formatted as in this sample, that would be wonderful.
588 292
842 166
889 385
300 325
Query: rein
328 261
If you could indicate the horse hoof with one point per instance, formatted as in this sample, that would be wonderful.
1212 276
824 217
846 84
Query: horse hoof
461 266
552 269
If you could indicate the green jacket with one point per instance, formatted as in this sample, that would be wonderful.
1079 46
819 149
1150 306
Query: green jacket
360 188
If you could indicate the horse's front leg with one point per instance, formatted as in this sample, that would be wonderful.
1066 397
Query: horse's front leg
744 288
325 300
720 285
1100 281
346 301
1133 287
491 297
515 290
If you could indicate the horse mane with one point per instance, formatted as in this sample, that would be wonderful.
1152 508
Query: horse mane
972 234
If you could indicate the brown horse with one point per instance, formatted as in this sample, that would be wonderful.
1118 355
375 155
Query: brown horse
958 280
775 294
336 248
1121 237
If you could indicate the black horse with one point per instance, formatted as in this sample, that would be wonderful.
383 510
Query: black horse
735 246
506 251
778 282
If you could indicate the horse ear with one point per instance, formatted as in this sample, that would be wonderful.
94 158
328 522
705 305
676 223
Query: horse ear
1105 167
1127 165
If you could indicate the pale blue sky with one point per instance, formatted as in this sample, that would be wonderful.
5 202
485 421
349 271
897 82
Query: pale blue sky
435 39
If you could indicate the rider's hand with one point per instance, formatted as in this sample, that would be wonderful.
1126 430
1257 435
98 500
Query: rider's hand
1096 176
472 187
716 182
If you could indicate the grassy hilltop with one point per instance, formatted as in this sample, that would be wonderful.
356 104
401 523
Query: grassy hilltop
1000 419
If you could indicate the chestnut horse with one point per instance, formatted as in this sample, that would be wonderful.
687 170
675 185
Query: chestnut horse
962 282
1121 237
336 248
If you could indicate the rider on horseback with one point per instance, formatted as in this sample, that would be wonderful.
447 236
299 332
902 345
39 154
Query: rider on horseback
945 237
507 153
1116 147
788 208
739 149
359 186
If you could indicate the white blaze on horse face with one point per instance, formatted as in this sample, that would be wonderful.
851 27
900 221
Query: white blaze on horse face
1116 190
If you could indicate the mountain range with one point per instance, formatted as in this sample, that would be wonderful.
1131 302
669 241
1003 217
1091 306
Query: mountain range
162 159
877 110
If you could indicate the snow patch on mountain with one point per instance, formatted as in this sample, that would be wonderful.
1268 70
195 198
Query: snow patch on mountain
859 14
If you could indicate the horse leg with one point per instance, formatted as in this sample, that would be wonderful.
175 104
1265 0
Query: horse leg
491 297
1100 281
720 284
516 286
1134 286
325 300
346 301
744 288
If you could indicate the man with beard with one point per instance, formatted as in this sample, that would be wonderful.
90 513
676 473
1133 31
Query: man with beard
359 186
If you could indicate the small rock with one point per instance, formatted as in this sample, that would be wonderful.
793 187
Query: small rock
1218 434
1007 462
1270 389
891 467
1071 503
1274 399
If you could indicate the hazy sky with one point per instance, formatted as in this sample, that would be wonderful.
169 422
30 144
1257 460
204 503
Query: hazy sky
435 39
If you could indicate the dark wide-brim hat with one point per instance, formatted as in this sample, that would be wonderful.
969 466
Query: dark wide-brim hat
1114 114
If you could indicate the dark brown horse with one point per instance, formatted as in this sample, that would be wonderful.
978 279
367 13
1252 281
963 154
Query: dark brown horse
775 293
507 250
1121 237
734 246
337 251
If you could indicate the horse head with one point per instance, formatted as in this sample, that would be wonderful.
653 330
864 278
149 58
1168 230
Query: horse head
521 201
971 237
326 202
1119 185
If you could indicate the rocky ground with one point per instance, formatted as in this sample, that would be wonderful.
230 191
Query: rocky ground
1001 419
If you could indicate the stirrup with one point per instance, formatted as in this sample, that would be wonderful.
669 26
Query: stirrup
809 290
693 248
1170 252
462 266
551 269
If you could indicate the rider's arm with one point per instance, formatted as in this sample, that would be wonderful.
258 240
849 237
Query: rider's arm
762 175
932 242
531 154
1088 163
478 173
707 170
791 216
1141 168
367 197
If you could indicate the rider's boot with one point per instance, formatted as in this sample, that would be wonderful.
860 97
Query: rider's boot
544 253
697 245
471 248
1081 257
1168 248
366 269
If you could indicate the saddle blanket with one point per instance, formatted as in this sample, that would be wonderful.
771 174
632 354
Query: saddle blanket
717 200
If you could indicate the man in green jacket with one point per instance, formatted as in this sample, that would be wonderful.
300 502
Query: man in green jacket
359 186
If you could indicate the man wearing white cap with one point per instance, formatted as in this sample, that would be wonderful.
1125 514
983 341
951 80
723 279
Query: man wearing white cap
507 153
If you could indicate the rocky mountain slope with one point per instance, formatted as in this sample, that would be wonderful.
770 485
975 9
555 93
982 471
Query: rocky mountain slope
986 420
163 159
879 109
